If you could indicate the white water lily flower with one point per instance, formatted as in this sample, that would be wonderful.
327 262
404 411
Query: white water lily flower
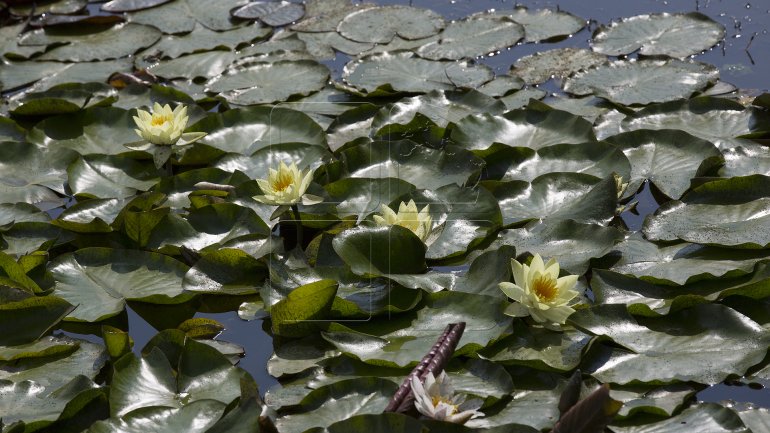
163 126
437 399
539 292
420 223
286 186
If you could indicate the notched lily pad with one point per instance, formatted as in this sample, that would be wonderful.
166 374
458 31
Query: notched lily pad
557 63
473 37
274 14
543 24
382 24
642 81
674 35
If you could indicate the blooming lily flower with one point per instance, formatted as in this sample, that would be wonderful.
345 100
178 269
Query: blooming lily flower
436 399
286 186
161 129
420 223
539 292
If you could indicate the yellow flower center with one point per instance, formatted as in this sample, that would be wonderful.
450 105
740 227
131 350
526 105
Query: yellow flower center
160 119
440 399
545 288
283 181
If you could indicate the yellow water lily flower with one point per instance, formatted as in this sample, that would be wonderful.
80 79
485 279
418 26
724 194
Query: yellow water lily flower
163 126
437 399
539 292
420 223
286 186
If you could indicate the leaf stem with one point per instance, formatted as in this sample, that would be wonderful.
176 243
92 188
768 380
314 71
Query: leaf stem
168 168
298 222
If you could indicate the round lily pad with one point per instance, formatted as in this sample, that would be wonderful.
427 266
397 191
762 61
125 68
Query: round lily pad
557 63
117 41
543 24
381 24
473 37
674 35
643 81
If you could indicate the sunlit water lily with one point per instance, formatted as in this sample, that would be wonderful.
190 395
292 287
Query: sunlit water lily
287 186
162 129
539 292
420 223
436 399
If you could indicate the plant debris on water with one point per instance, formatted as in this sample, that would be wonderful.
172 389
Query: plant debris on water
418 240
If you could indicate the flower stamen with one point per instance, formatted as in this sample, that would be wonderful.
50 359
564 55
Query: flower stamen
545 288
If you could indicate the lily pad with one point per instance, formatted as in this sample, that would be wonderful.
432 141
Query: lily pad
573 244
558 63
598 159
118 41
203 39
196 417
702 417
642 81
131 5
473 37
403 72
109 177
533 128
260 83
674 35
360 197
274 14
112 277
29 402
543 24
667 158
381 24
732 225
26 174
704 344
405 339
381 250
404 159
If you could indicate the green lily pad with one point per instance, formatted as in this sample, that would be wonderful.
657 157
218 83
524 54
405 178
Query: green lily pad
30 318
29 402
112 277
573 244
403 72
539 348
473 37
325 45
27 175
597 159
171 17
682 262
464 217
361 197
642 82
206 65
298 314
704 344
377 423
337 402
732 225
325 15
110 176
274 14
20 212
55 371
674 35
528 127
709 417
646 298
667 158
381 250
227 271
716 120
260 83
657 400
202 374
247 130
441 107
558 63
543 24
215 16
381 24
557 196
203 39
405 339
91 216
131 5
404 159
196 417
257 164
115 42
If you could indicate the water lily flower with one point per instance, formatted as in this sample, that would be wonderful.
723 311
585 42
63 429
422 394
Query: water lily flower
420 223
437 399
286 186
163 127
539 292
